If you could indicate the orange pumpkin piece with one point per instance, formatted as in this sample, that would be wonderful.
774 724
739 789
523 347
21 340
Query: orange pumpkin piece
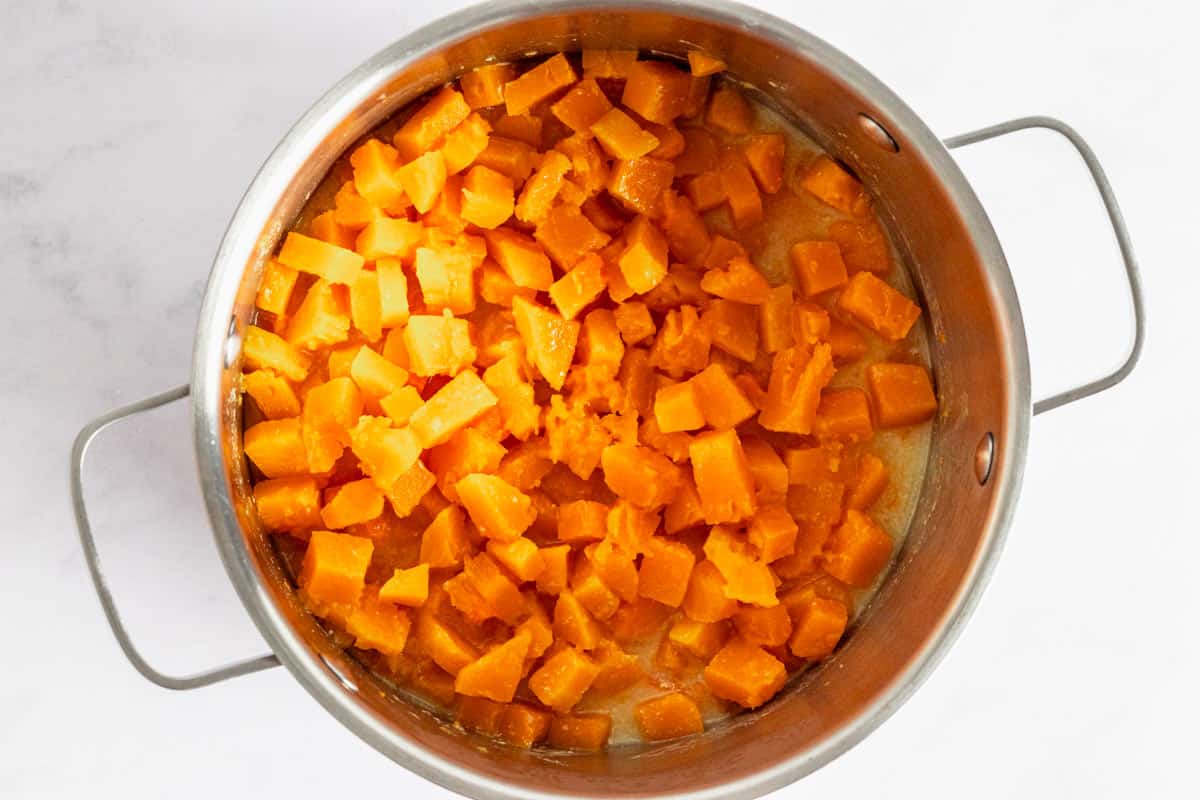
438 345
465 143
573 623
592 592
858 550
580 731
487 197
327 261
447 648
773 533
819 625
567 235
523 725
769 471
276 447
538 84
702 63
334 568
288 503
794 390
444 542
447 279
510 157
351 210
500 511
330 410
374 166
325 227
809 465
583 106
844 414
525 128
365 306
393 292
638 184
466 451
697 97
656 90
847 342
701 639
665 571
375 375
272 394
741 192
495 674
766 627
395 238
819 503
751 388
831 184
483 87
378 626
621 137
745 674
498 592
869 483
562 680
321 320
643 262
354 502
614 566
537 196
423 179
677 408
668 717
521 258
902 394
764 154
521 557
733 328
441 114
634 322
582 521
407 587
385 453
480 715
863 244
555 567
819 266
262 349
549 339
457 404
275 287
723 478
730 112
686 232
747 579
613 64
584 283
400 404
643 476
409 489
740 281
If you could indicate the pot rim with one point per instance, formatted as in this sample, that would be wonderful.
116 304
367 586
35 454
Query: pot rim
218 345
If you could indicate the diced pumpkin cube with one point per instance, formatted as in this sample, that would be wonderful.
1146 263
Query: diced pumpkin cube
573 623
592 592
869 483
538 194
562 680
765 627
794 390
733 328
515 400
276 447
375 375
321 320
858 550
819 625
580 286
447 648
775 319
844 414
275 288
643 262
819 503
441 114
555 567
483 87
423 179
702 63
288 503
447 279
834 186
819 266
723 478
583 106
272 394
864 245
365 311
499 511
751 388
722 403
638 184
643 476
730 112
262 349
633 321
466 451
745 674
379 626
687 235
699 153
499 593
705 190
330 410
400 404
902 394
487 197
705 599
665 571
354 502
747 579
809 465
444 543
521 557
353 211
677 408
618 670
438 345
740 281
701 639
538 84
567 235
684 511
549 339
580 732
510 157
656 90
522 127
390 238
465 143
581 521
523 725
621 137
764 154
741 192
374 166
668 717
407 587
385 453
613 64
521 258
615 567
847 342
334 568
393 292
495 674
327 261
773 532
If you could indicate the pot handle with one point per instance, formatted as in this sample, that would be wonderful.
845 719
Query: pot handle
78 453
1119 229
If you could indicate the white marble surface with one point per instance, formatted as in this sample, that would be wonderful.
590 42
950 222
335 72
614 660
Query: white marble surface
129 130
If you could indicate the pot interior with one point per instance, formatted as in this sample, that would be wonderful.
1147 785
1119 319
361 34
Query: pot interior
979 365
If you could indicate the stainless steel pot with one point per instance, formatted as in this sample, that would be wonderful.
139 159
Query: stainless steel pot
980 360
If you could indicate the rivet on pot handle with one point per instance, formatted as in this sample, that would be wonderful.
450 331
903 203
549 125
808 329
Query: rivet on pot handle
78 452
1122 234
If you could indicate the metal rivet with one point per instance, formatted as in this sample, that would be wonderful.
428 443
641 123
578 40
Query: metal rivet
985 456
878 134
